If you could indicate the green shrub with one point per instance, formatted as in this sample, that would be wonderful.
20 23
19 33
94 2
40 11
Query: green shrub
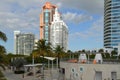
2 76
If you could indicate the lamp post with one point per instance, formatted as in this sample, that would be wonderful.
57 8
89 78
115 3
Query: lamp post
33 67
88 57
43 68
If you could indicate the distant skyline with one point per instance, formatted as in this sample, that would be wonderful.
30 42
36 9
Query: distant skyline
84 19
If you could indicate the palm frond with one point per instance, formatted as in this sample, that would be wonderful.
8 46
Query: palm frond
3 36
2 49
2 66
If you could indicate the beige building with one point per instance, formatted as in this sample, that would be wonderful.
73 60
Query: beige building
80 71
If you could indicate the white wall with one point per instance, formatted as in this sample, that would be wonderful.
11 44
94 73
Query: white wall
89 70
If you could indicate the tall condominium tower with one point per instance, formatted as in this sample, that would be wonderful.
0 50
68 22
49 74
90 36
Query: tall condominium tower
59 32
15 33
111 23
52 27
24 43
46 17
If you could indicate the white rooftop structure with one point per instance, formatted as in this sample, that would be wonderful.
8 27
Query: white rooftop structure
82 57
49 58
98 58
32 65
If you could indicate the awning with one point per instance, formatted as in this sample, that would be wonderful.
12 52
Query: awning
32 65
49 58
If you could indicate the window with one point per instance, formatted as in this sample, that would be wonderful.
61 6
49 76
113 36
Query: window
113 75
81 69
73 70
98 75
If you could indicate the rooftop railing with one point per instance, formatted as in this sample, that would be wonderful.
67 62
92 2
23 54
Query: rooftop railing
91 61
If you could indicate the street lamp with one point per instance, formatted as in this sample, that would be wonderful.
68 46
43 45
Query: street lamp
33 67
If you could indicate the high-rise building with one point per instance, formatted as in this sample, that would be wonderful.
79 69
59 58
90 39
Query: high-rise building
15 33
46 17
59 32
24 43
52 27
111 23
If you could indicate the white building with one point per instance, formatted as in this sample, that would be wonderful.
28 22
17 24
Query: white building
35 45
24 43
105 50
80 71
118 49
97 69
58 32
15 33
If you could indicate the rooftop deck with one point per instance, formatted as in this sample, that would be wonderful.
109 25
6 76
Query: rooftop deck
91 61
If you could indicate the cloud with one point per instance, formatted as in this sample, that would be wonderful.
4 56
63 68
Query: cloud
15 21
18 14
95 31
76 18
90 6
24 14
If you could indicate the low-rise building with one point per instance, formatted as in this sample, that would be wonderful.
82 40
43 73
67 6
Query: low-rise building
79 71
97 69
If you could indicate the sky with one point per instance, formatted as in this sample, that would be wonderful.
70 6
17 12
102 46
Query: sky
84 19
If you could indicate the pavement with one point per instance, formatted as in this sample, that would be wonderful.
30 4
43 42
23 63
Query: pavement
48 75
11 76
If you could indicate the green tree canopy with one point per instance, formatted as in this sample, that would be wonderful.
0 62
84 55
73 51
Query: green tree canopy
2 49
59 53
42 48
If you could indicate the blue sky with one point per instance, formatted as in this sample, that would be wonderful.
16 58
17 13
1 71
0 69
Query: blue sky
84 19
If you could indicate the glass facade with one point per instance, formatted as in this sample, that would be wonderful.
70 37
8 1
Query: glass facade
48 17
111 23
46 28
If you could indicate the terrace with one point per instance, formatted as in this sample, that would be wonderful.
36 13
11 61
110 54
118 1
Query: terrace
83 59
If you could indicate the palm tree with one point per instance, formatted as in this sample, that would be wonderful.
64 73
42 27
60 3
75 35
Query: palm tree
3 38
2 49
59 50
70 54
42 49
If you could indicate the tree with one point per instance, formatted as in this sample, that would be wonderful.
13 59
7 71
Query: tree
83 50
113 54
59 53
2 49
101 50
70 54
42 49
3 38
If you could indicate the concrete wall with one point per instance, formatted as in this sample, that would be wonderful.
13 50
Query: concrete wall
88 71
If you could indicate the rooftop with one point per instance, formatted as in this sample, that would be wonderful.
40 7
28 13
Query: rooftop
92 61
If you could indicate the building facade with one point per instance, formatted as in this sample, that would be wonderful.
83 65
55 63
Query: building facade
80 71
15 33
111 23
46 17
59 32
24 43
52 27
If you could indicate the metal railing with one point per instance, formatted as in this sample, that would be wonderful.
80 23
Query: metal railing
90 61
